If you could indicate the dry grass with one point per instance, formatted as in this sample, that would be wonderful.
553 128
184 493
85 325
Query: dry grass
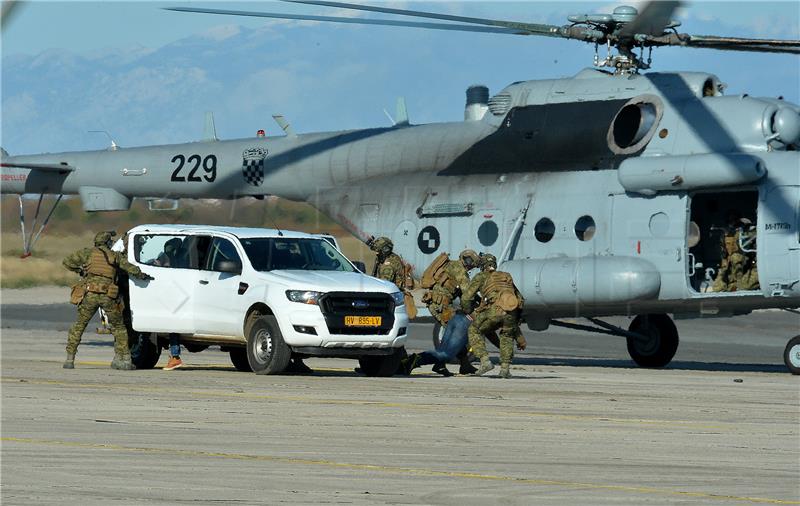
44 266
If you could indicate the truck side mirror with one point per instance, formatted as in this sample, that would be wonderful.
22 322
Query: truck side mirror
229 266
360 266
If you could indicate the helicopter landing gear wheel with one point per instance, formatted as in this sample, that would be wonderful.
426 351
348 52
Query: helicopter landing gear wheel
791 355
658 342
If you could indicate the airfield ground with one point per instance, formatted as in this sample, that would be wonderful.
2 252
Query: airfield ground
578 424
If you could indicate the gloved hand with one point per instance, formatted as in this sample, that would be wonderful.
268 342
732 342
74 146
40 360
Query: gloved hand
147 277
521 343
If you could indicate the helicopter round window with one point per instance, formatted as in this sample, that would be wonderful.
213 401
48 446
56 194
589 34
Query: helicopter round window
544 230
488 232
585 228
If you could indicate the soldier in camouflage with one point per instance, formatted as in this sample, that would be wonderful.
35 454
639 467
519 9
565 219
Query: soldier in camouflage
738 270
449 286
388 265
500 307
98 267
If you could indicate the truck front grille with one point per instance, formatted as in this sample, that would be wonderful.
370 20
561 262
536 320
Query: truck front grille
336 305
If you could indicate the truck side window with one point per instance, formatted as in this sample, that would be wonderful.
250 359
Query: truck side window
171 250
159 250
221 250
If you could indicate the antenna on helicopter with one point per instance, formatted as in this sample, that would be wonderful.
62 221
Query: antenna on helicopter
113 146
210 130
285 126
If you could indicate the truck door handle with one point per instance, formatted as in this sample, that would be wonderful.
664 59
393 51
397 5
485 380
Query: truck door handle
203 282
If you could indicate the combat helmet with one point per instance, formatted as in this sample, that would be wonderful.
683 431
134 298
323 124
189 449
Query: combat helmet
488 262
382 246
104 238
469 258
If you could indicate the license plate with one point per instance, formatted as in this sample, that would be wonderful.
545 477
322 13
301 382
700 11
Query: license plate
362 321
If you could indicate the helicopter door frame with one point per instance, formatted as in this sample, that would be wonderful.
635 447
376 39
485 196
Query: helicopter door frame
707 210
779 240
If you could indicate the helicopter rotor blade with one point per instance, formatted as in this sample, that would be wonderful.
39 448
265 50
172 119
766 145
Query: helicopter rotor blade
651 20
355 21
532 28
728 43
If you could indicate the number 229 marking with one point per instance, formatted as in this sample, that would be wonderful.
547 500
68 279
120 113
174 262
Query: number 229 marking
209 164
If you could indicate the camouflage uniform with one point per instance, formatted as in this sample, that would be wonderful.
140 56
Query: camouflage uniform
450 285
390 266
731 269
500 307
98 267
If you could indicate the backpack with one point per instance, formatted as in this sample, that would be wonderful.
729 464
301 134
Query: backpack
500 290
408 276
434 270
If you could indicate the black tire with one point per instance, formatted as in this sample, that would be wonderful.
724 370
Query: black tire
267 352
144 352
239 359
791 355
661 343
194 348
382 366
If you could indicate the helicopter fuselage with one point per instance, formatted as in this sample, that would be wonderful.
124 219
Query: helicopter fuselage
602 194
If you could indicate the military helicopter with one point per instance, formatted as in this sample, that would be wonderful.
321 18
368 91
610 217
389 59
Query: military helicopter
602 194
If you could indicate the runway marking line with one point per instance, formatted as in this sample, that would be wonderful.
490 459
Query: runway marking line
394 470
383 404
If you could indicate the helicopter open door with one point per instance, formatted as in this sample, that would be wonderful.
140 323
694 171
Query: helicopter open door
715 215
779 241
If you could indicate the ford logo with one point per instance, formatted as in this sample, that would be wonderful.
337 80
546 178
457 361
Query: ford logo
360 304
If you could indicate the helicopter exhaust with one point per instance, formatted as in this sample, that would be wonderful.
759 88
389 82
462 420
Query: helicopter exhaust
477 102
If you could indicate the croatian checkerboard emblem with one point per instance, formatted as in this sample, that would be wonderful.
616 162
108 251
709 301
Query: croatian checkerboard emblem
428 239
253 165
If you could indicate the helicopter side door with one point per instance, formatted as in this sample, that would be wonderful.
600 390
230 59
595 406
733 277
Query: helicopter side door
779 241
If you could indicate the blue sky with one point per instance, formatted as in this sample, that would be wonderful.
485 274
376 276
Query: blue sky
148 75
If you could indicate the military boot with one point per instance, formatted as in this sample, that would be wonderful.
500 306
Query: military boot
486 366
69 363
122 362
466 367
505 371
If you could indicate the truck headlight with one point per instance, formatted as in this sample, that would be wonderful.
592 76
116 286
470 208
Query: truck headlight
398 298
304 296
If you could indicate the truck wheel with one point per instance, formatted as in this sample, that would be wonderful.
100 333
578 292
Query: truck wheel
659 340
144 352
240 360
382 365
791 355
267 352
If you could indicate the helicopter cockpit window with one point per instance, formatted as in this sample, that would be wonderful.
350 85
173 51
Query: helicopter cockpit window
585 228
544 230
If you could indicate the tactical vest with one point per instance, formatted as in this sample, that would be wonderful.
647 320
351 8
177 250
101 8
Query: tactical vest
445 280
100 264
499 289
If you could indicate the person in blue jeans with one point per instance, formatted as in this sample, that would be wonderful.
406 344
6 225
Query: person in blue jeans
454 343
175 353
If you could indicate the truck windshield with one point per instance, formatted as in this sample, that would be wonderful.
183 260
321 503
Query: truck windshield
279 253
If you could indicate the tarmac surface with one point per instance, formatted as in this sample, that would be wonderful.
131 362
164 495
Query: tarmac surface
577 424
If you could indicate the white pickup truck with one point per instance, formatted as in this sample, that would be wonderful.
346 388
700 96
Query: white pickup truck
262 295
